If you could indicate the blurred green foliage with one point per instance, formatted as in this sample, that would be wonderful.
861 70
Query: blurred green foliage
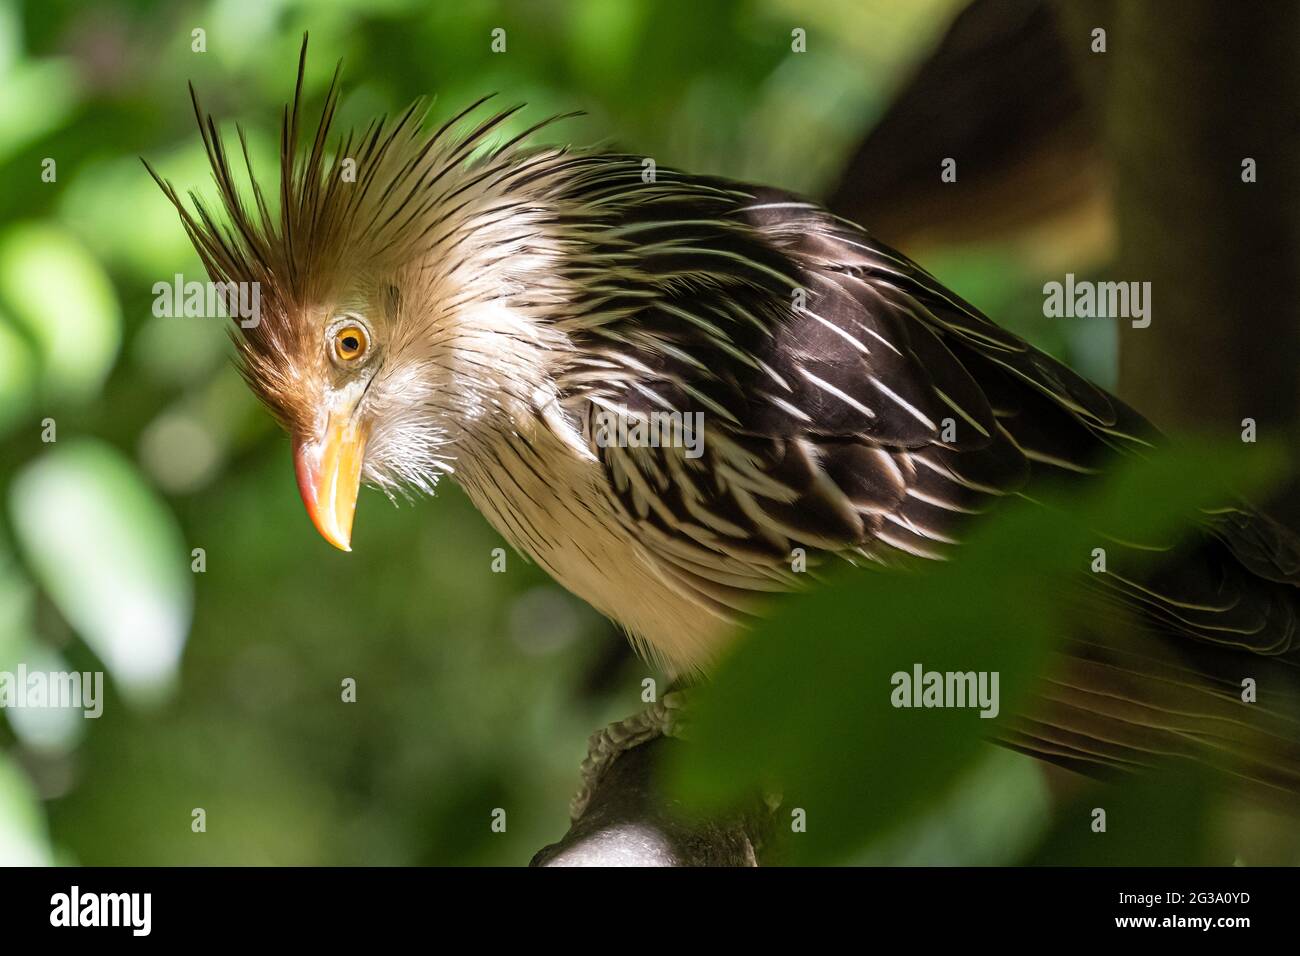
828 737
474 690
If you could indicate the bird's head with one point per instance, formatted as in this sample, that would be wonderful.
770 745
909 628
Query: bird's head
398 289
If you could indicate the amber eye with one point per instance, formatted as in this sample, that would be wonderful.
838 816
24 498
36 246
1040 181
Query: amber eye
350 342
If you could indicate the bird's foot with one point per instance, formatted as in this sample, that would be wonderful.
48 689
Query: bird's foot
664 718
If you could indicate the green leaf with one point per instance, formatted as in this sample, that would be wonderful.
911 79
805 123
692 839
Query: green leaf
24 840
112 558
64 299
994 816
804 707
39 97
47 729
1161 819
16 600
17 376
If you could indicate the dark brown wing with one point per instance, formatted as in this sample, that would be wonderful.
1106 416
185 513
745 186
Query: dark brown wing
858 408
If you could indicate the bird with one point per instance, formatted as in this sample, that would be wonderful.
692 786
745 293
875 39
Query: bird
443 301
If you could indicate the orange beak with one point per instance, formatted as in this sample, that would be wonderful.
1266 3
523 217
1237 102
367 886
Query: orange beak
329 477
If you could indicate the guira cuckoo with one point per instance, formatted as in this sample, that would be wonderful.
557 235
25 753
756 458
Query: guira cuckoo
467 307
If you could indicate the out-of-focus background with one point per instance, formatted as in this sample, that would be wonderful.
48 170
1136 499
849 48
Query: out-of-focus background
149 523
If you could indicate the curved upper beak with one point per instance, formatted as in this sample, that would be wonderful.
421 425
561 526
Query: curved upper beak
329 476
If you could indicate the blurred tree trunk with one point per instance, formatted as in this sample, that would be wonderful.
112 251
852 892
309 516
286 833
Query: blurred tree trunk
1188 90
999 94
